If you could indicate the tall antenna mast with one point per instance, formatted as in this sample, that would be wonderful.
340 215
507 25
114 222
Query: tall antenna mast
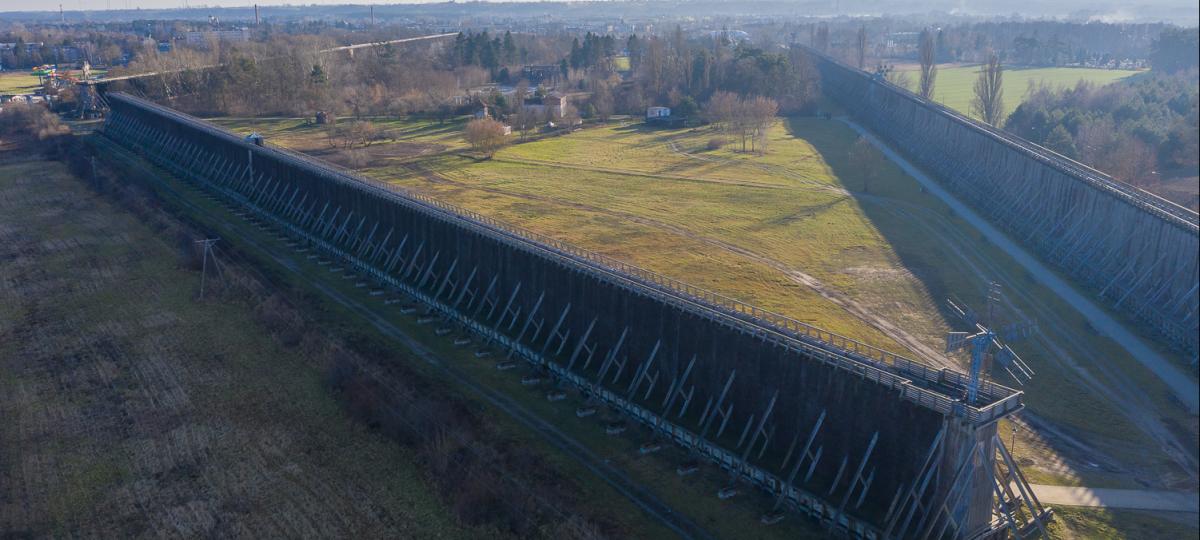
985 343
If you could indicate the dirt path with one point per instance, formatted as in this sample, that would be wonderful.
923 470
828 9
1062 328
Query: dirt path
855 308
1182 385
1136 499
643 174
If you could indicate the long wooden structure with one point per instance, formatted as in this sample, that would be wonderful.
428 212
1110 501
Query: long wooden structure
1134 250
867 442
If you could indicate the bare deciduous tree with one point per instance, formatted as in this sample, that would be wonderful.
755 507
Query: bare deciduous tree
868 160
822 38
928 64
861 47
527 119
898 78
602 99
988 103
762 112
485 135
750 119
721 109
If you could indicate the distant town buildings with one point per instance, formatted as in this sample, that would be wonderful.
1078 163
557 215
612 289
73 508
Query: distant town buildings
203 38
553 105
29 47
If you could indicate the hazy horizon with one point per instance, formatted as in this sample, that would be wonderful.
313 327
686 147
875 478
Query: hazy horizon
1177 11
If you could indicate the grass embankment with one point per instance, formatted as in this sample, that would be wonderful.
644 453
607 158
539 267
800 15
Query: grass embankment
132 409
800 231
955 84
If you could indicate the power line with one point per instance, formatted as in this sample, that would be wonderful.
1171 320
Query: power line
207 252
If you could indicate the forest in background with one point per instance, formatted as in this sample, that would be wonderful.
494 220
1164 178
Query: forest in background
1143 131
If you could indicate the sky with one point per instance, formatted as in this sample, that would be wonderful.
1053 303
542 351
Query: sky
80 5
1109 10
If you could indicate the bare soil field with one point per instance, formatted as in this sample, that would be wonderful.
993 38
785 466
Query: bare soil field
132 409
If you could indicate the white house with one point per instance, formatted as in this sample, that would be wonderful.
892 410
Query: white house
657 112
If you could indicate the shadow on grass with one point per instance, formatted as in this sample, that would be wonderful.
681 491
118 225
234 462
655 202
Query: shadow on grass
919 254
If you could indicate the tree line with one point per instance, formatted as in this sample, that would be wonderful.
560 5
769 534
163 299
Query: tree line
671 68
1138 131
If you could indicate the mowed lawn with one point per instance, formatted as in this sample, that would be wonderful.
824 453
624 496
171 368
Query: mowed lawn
18 82
955 85
23 82
764 229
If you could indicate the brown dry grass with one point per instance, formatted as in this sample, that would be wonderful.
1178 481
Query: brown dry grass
131 409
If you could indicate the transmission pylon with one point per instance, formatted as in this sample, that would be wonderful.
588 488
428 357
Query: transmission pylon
207 251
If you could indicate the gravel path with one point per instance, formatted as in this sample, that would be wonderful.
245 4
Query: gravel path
1135 499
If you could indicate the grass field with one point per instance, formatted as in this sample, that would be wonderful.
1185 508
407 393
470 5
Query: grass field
955 84
22 82
799 231
131 409
17 82
401 140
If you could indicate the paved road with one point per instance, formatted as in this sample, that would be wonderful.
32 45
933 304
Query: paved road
1170 501
1179 382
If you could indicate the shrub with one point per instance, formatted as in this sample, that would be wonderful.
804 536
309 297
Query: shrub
22 120
716 143
485 135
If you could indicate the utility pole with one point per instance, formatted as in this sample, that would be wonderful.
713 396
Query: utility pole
208 251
